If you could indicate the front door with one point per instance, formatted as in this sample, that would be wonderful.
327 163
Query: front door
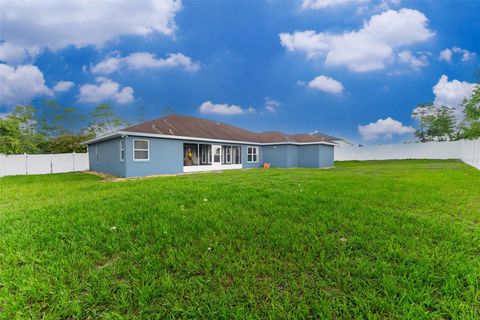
217 156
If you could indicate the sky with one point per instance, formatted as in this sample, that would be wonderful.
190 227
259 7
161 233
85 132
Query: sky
350 68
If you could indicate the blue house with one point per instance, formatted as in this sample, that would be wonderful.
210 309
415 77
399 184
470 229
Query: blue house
178 144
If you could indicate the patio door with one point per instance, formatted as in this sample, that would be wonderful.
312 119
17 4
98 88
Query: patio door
216 156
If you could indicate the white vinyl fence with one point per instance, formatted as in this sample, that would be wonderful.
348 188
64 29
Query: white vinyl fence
467 151
21 164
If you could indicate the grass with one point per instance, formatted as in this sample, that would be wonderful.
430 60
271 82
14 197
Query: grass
390 239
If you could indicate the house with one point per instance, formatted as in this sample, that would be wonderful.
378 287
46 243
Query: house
177 144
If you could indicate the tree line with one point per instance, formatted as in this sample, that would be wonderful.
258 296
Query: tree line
439 123
54 128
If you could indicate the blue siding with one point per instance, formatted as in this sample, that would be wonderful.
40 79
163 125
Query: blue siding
315 156
166 157
292 160
281 156
253 164
108 157
326 158
275 155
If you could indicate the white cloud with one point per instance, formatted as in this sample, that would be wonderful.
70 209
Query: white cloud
271 105
223 109
415 61
145 60
448 54
322 4
451 93
141 60
21 84
104 91
369 48
12 54
326 84
62 86
55 24
383 129
107 66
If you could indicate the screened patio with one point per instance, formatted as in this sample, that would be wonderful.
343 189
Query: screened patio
204 157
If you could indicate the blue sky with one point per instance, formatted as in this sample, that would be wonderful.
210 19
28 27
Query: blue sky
355 69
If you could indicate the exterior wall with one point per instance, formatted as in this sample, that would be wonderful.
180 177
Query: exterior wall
281 156
255 164
166 157
326 156
292 156
277 156
108 157
315 156
292 153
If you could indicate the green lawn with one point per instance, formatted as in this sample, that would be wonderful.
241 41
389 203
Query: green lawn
390 239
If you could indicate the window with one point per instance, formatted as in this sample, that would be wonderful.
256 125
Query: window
190 154
227 154
122 150
141 150
205 154
237 154
252 154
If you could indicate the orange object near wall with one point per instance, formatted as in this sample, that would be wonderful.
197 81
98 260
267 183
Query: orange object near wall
266 165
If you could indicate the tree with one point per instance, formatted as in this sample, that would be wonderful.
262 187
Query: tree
59 120
435 123
423 113
471 108
104 121
18 131
66 144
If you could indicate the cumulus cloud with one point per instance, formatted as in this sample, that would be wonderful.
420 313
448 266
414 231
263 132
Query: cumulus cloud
223 109
369 48
107 66
19 85
451 93
448 54
145 60
62 86
322 4
326 84
416 61
12 54
271 105
105 90
384 129
56 24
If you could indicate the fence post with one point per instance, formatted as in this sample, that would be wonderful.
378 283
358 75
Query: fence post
2 165
26 163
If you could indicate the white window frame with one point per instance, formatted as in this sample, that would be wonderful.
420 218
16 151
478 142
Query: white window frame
254 155
148 149
122 148
228 153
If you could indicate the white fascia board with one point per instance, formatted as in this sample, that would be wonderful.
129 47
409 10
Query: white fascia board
164 136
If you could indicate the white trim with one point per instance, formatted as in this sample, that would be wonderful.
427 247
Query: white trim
257 154
211 167
122 148
133 150
164 136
